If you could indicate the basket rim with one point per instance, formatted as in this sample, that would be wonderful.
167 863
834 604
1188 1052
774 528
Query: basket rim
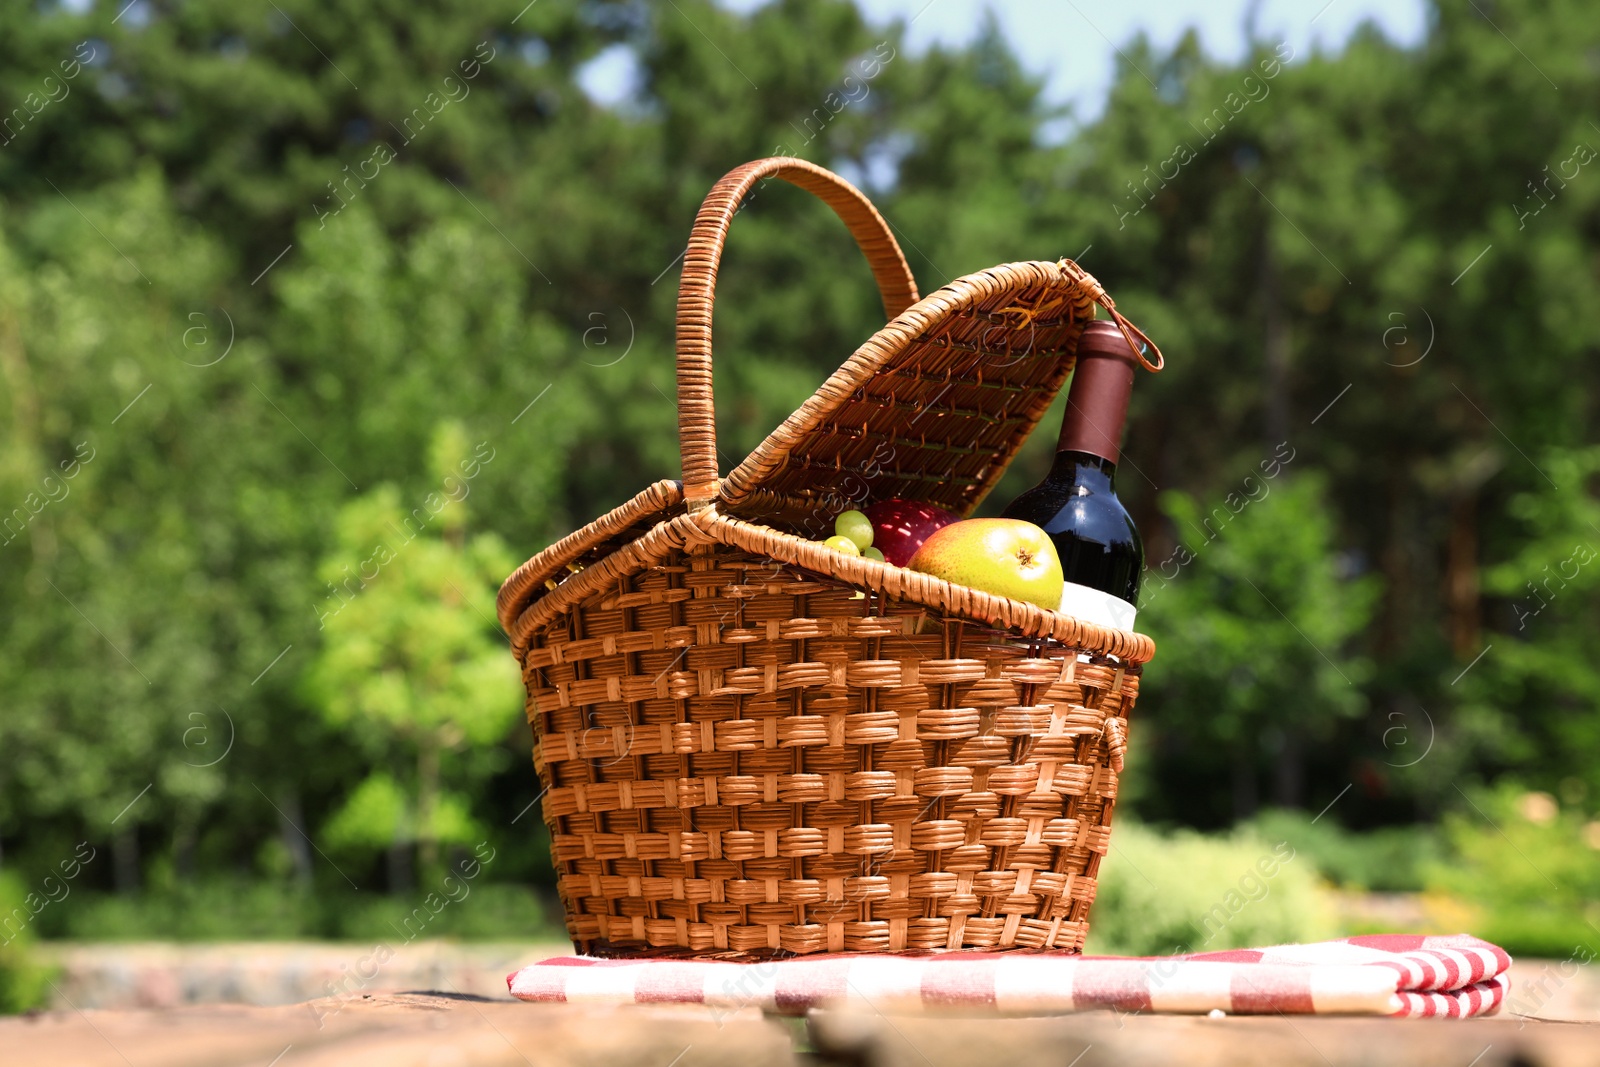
658 498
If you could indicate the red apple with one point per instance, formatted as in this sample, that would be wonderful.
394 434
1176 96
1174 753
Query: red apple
901 526
1006 557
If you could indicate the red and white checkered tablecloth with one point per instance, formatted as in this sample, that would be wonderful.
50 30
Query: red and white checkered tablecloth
1390 974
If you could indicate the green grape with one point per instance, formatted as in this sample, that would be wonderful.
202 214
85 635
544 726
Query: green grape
854 525
843 544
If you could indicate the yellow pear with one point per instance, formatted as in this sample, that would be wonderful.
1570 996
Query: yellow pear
1006 557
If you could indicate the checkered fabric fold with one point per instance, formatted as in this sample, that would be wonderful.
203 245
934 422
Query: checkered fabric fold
1391 974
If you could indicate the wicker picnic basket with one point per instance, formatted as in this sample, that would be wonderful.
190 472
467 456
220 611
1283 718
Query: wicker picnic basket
752 745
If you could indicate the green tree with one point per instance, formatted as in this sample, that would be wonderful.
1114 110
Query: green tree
1531 699
1256 628
410 666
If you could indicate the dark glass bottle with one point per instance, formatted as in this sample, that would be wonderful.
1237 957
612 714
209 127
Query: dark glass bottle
1076 504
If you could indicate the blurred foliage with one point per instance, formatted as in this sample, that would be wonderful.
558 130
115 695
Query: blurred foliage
24 980
1546 658
491 912
1386 859
1185 892
1256 637
413 668
223 909
209 909
270 272
1530 866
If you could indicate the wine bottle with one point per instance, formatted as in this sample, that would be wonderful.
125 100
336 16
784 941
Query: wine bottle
1076 504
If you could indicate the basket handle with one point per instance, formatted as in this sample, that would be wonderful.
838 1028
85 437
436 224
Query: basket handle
697 424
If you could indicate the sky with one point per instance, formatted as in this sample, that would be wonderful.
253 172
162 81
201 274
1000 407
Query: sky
1074 42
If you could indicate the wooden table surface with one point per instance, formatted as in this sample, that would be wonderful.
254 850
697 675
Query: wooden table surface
446 1029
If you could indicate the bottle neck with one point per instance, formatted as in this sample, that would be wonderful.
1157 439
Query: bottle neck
1094 473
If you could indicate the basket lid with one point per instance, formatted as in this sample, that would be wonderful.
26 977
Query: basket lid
933 407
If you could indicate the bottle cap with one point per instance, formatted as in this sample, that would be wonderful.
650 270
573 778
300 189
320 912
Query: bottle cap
1097 401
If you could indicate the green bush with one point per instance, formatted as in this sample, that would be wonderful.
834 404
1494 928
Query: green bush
24 982
487 912
1185 892
1390 859
1531 868
213 910
238 909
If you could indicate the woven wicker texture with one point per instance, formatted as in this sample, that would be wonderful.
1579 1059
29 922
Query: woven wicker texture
754 745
